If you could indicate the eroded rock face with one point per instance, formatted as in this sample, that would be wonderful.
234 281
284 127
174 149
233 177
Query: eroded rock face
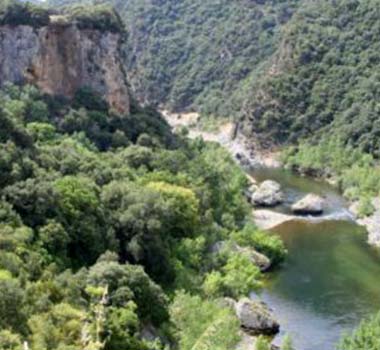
311 204
256 318
60 59
268 194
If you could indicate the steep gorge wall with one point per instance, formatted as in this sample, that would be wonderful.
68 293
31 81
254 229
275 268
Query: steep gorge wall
61 58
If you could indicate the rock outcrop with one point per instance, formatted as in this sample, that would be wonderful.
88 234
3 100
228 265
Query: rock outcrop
256 258
311 204
371 223
255 317
268 194
60 58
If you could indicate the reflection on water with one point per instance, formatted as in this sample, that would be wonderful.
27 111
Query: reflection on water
331 279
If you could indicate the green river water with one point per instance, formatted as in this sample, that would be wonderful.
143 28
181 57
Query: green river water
331 279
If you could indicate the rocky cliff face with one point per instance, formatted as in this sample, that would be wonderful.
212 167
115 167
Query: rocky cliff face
61 58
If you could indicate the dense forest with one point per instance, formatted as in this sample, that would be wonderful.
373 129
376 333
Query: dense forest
195 54
283 70
106 218
108 222
325 80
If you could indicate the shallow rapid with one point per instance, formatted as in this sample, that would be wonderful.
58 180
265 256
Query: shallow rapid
331 279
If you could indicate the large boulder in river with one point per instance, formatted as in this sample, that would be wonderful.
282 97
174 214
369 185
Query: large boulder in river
311 204
268 194
255 317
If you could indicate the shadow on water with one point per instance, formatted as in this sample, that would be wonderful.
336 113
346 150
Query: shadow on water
330 280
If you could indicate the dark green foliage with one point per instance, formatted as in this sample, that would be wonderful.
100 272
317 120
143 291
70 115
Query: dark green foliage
325 80
87 98
97 17
195 54
71 196
15 13
126 282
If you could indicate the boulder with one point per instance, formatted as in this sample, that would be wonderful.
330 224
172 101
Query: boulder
268 194
311 204
250 191
256 258
256 318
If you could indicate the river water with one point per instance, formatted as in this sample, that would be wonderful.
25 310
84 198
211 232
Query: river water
331 278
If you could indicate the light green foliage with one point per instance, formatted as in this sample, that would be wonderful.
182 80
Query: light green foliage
264 242
366 208
182 201
11 307
78 201
365 337
287 343
357 173
76 195
202 324
59 328
237 278
262 343
70 197
10 341
41 131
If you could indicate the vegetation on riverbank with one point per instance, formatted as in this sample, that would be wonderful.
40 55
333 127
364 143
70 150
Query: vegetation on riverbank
356 173
365 337
104 219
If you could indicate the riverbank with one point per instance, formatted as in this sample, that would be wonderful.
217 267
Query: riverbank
251 156
371 222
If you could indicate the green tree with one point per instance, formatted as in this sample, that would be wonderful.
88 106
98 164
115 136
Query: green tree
203 324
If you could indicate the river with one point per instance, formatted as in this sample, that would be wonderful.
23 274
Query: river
331 278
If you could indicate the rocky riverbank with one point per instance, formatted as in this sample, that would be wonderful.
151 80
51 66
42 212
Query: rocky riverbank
251 156
371 223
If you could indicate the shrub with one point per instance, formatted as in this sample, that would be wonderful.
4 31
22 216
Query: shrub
264 242
365 337
98 17
15 13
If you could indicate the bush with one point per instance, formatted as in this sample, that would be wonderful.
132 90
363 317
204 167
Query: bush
203 324
97 17
365 337
16 13
237 278
264 242
357 172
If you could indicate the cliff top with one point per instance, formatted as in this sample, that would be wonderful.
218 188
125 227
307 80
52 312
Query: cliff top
100 17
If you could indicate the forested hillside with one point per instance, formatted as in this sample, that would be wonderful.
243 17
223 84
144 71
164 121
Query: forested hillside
288 69
105 218
196 54
326 81
116 233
